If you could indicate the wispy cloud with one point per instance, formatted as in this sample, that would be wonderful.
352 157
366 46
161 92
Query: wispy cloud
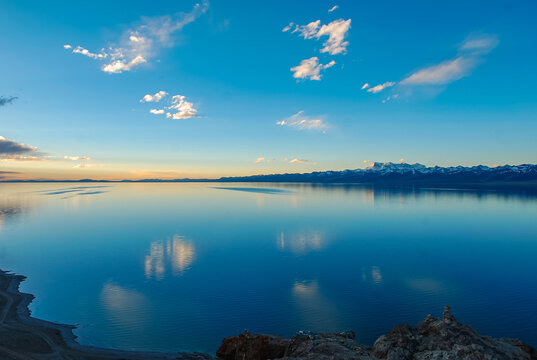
333 8
154 98
296 160
380 87
175 108
5 100
11 150
82 166
469 55
391 97
443 73
336 31
310 69
76 158
301 122
260 160
143 42
288 27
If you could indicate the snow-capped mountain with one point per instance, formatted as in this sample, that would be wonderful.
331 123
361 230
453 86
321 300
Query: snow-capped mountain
409 173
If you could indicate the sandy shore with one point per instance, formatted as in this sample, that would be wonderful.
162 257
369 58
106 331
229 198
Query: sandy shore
24 337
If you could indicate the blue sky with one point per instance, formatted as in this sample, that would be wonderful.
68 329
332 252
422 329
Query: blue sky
457 86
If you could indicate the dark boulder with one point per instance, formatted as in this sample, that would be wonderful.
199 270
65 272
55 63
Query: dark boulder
252 347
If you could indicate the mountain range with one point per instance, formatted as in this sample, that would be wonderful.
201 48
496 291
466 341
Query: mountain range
407 173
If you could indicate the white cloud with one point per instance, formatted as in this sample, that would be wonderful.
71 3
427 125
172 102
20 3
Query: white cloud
136 46
308 31
85 52
77 158
336 31
118 66
176 108
259 160
310 68
333 8
296 160
301 122
402 160
154 98
380 87
183 109
365 86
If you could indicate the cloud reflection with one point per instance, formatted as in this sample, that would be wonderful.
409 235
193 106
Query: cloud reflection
314 308
302 242
373 274
427 285
176 255
13 206
123 306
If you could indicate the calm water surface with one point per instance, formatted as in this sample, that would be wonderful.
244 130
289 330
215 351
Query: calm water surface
180 266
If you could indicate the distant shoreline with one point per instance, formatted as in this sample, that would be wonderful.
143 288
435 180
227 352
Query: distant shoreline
378 174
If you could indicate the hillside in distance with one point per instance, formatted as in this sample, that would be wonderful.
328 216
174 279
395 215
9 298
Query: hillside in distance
392 173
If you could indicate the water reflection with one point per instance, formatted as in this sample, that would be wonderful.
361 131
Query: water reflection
371 193
13 206
302 242
176 254
123 306
259 190
343 257
427 285
317 311
373 274
76 191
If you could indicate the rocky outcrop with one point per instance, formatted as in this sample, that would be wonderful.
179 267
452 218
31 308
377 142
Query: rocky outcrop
304 345
253 347
446 339
433 339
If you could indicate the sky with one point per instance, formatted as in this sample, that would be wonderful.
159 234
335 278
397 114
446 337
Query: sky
175 89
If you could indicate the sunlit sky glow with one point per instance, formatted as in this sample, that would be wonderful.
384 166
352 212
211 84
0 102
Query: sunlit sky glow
173 89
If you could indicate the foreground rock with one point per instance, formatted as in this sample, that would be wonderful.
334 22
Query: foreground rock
432 339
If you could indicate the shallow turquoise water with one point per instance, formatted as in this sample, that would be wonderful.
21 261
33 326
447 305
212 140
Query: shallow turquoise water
180 266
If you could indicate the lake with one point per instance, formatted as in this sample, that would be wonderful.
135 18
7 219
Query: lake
179 266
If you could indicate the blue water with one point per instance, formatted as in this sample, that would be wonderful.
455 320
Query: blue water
180 266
